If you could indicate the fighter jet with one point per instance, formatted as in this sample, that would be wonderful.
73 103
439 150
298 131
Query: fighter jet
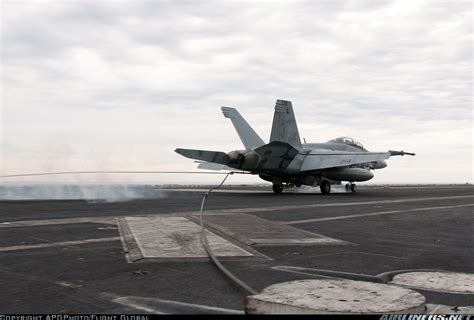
286 162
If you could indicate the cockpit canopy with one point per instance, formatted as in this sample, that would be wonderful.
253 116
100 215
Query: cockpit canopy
349 141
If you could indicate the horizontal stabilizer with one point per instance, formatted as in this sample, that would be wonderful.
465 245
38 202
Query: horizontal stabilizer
204 155
284 128
247 135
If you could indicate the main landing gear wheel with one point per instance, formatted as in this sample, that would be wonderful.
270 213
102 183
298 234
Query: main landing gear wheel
277 188
325 187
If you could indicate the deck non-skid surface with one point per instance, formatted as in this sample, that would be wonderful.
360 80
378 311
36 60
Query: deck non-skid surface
68 256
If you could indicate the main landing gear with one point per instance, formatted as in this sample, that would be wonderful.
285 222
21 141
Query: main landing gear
278 188
325 187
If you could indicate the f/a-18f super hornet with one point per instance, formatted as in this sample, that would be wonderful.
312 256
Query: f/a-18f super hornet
286 162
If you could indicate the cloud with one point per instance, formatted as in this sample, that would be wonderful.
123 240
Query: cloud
124 83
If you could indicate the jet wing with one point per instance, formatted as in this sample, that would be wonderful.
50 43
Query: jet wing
324 159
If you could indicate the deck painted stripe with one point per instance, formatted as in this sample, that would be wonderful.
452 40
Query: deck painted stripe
33 223
57 244
160 306
334 204
217 191
375 214
111 219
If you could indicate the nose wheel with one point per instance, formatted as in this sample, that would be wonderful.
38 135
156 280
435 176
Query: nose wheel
351 187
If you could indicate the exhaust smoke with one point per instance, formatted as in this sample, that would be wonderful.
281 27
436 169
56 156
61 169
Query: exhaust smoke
92 193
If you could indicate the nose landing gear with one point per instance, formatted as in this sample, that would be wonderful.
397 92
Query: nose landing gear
351 187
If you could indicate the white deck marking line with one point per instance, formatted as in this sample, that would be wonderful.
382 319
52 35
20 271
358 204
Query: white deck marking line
141 308
34 223
160 306
347 252
337 204
419 187
57 244
375 214
111 219
217 191
379 254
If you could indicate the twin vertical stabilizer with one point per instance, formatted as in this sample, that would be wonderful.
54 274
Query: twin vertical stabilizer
247 135
284 128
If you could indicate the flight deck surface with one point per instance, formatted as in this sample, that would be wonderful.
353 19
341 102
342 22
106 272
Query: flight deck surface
74 256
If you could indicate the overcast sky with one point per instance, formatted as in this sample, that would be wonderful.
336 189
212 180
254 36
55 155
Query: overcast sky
109 85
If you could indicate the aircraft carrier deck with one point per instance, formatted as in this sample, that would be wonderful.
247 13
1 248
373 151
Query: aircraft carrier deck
142 256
